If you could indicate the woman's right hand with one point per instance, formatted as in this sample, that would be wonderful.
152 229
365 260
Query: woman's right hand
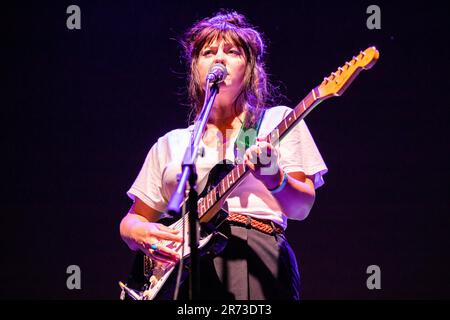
140 231
146 234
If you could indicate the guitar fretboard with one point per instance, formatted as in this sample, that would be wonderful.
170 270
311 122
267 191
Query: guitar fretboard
231 180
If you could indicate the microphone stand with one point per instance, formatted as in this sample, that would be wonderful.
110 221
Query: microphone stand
189 174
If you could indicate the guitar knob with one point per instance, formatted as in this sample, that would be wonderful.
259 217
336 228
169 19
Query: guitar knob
153 281
133 294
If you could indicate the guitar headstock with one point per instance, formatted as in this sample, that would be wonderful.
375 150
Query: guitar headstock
336 83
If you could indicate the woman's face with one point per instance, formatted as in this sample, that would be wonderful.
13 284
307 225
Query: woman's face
232 57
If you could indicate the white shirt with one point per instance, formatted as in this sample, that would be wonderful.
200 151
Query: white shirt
297 152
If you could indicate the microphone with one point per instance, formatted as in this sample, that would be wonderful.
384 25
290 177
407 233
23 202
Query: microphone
217 73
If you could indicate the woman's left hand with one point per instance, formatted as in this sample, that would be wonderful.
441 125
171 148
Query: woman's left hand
262 160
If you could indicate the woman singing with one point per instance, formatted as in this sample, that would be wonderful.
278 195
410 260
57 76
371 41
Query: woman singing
257 262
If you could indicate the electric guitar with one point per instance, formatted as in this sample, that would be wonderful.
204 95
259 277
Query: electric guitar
151 279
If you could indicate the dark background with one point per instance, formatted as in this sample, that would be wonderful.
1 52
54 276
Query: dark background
81 108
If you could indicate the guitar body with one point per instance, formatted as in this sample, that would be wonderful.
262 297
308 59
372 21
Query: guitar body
211 243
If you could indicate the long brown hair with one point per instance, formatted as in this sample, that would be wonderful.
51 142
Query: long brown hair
231 27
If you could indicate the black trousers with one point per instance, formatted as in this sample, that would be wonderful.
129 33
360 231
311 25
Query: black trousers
253 266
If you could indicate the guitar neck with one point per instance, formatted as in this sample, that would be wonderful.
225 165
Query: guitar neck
236 175
333 85
298 113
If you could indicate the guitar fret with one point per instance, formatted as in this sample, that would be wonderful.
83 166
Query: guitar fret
218 187
221 188
206 201
224 186
209 200
214 194
238 167
311 98
274 136
281 126
230 179
235 174
291 118
307 101
201 206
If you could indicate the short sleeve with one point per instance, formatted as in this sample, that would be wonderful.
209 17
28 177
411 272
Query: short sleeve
298 152
148 184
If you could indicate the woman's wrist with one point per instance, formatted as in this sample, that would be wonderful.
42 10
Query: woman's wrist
281 183
131 230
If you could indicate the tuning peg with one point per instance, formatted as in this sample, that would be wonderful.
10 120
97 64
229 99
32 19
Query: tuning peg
355 58
363 53
340 70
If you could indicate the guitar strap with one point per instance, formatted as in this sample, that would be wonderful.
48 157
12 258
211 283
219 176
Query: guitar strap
246 137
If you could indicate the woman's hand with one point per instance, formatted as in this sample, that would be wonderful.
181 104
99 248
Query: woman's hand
262 160
148 237
298 194
140 231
